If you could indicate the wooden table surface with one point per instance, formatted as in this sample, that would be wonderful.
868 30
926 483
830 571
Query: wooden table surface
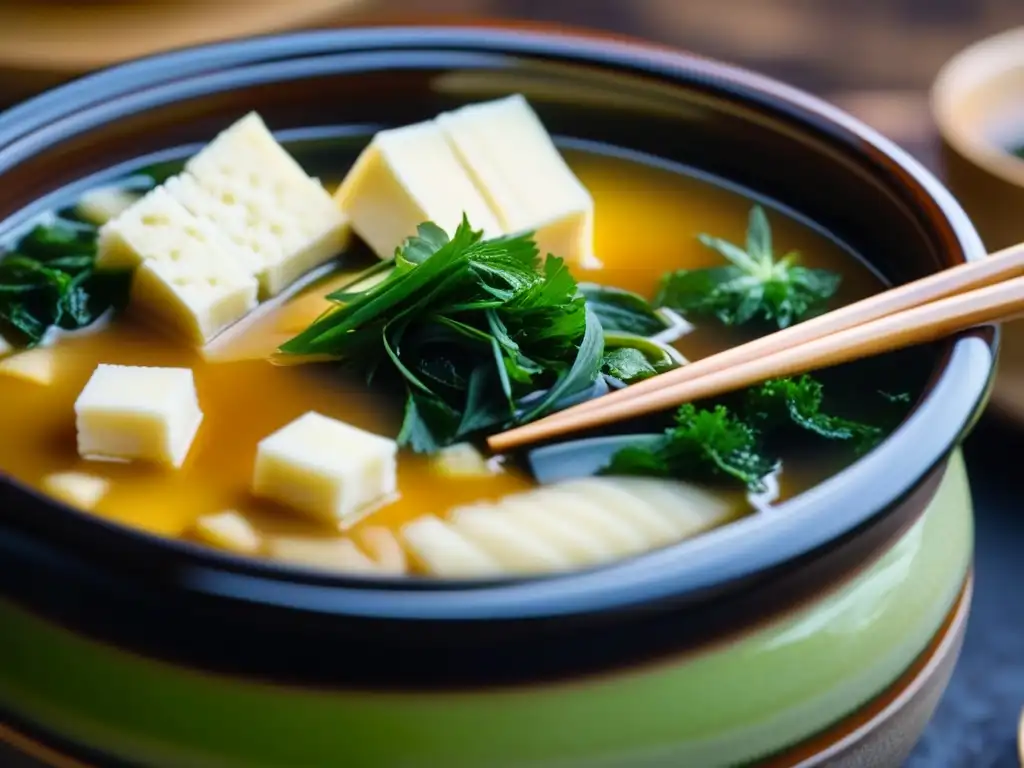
876 58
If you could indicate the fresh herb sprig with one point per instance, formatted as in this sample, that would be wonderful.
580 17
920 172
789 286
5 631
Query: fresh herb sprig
754 286
723 444
49 280
470 327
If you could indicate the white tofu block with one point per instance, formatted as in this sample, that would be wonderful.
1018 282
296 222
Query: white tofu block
523 177
105 203
77 488
407 176
38 366
138 413
443 551
189 279
330 554
463 460
247 184
228 530
383 547
325 469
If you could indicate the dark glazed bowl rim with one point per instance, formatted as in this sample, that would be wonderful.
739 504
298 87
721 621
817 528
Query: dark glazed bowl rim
750 547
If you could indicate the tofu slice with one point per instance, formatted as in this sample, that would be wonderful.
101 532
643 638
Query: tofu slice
693 509
38 366
189 277
407 176
78 489
247 184
516 166
230 531
578 542
443 551
638 512
516 548
138 414
384 548
609 526
325 469
330 554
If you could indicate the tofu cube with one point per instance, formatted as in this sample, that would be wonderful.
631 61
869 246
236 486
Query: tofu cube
77 488
138 413
516 166
189 279
38 366
247 185
325 469
407 176
229 531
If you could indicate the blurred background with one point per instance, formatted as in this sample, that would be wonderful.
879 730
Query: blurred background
876 58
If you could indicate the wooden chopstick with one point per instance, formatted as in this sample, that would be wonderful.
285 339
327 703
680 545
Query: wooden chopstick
914 313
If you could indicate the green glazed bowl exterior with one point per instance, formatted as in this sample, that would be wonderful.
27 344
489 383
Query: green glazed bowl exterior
725 705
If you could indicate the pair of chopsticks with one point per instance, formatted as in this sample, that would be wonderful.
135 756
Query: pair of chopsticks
987 291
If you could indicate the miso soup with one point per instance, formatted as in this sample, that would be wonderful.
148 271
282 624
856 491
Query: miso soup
451 510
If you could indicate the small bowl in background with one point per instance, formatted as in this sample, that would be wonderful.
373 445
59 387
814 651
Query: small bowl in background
978 104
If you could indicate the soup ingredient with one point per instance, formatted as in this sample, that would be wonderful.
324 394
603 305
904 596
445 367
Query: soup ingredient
325 469
723 444
78 489
38 366
100 205
628 359
704 445
252 190
407 176
463 460
573 524
442 551
329 554
189 277
138 413
230 531
473 329
50 280
516 549
515 164
6 347
628 312
798 401
754 286
385 550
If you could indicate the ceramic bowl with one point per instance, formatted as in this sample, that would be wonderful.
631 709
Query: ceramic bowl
813 633
978 105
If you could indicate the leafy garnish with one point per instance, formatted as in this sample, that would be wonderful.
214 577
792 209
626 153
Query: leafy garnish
705 444
798 402
622 311
629 359
754 286
723 443
470 328
49 280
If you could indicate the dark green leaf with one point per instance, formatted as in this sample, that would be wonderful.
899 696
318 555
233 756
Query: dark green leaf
628 364
754 286
620 310
704 445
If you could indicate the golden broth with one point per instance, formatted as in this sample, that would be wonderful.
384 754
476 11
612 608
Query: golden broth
646 224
